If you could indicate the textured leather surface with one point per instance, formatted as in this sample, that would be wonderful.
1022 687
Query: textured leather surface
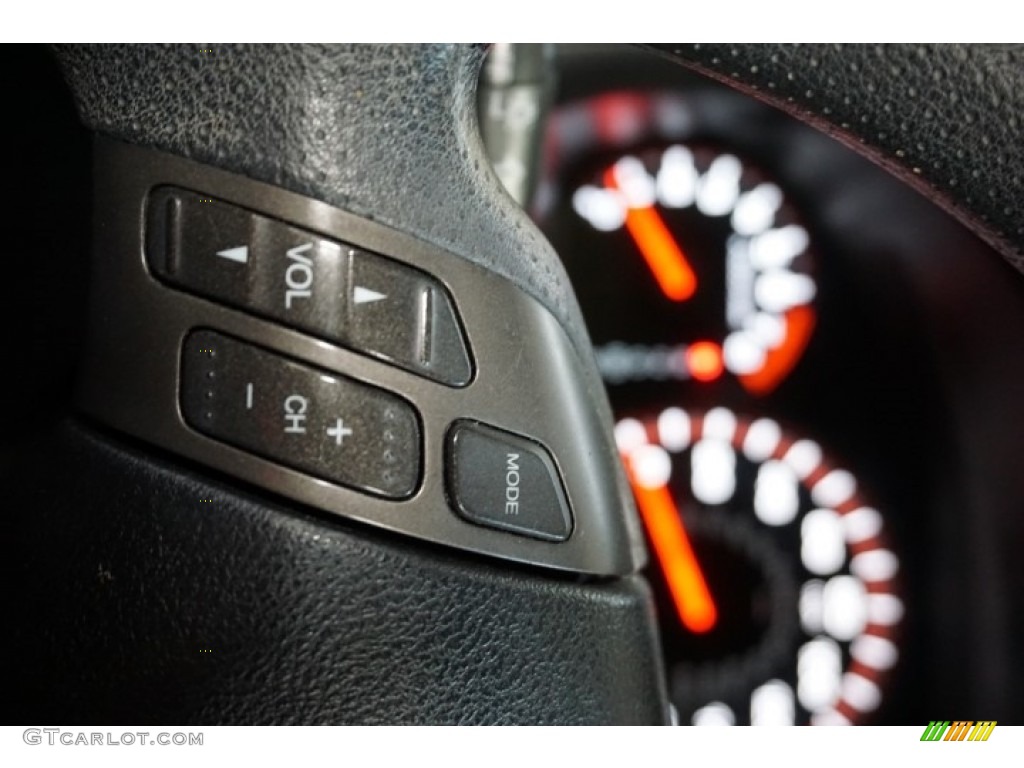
947 119
384 131
305 621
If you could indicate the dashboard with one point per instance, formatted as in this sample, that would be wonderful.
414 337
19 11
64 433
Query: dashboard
814 376
811 368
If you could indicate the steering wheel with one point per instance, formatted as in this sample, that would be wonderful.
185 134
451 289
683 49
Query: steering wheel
184 570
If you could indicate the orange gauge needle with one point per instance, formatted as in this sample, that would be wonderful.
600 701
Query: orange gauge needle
661 252
685 580
780 360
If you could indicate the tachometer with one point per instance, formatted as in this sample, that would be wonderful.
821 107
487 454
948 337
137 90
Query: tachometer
775 581
698 250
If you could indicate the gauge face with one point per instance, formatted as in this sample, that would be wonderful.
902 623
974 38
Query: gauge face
689 263
775 586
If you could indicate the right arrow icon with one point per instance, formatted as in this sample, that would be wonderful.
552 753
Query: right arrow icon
361 295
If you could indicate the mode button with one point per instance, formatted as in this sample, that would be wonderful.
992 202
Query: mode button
506 481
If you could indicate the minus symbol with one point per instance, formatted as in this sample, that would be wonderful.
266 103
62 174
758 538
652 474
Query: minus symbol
248 396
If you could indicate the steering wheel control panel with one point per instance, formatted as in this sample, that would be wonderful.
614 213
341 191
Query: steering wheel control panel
327 358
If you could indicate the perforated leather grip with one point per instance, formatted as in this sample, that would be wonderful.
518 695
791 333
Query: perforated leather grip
944 118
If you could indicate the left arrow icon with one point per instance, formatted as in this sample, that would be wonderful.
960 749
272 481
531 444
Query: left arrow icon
239 254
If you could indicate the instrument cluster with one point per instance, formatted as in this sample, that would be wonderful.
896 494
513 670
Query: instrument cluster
771 316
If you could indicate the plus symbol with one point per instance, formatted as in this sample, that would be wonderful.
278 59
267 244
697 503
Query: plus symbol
339 431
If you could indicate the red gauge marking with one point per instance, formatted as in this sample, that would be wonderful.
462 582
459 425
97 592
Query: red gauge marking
778 362
662 253
619 117
686 583
704 360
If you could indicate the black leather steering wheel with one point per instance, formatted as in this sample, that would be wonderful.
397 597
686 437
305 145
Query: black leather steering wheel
312 619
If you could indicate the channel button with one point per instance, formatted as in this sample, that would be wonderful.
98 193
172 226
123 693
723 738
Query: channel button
506 481
314 421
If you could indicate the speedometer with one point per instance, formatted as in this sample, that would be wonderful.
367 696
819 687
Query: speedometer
776 583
